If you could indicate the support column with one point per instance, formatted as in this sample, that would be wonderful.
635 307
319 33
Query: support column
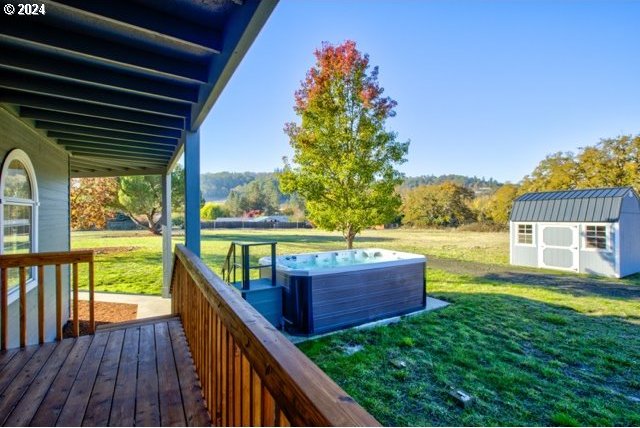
166 234
192 191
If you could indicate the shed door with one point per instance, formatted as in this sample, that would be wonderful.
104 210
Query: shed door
558 246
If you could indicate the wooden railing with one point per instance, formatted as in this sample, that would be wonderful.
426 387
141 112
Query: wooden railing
25 261
249 372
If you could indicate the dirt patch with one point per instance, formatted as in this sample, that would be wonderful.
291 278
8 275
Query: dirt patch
576 285
110 250
105 313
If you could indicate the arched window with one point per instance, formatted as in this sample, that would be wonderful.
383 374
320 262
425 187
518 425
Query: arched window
19 203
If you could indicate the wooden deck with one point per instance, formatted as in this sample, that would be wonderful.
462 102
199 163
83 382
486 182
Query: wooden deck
138 374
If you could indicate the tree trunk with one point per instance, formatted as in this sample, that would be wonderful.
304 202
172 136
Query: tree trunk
349 236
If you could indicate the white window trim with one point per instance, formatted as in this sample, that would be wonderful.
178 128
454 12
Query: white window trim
533 234
22 157
583 238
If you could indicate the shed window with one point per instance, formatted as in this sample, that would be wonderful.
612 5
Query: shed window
525 234
19 203
596 237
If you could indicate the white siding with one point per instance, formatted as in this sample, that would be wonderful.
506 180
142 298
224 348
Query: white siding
630 237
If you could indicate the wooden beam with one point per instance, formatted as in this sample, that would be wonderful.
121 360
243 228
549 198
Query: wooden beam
192 191
94 122
116 172
88 109
139 159
36 84
104 134
95 49
82 145
58 66
142 18
80 139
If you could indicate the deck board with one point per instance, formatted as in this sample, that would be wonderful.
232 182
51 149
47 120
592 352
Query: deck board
140 375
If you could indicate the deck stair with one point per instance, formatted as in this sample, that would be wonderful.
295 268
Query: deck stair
262 293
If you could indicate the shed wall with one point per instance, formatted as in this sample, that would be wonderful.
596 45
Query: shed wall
522 255
630 237
51 166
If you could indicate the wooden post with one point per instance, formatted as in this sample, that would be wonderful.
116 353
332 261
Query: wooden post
166 234
41 304
23 306
76 319
4 288
192 191
58 302
92 309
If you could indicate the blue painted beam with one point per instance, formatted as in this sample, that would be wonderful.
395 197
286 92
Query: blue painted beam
135 160
104 134
88 109
82 92
35 60
101 51
95 122
192 191
162 148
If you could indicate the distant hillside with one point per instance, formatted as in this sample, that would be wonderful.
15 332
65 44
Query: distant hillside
478 185
217 185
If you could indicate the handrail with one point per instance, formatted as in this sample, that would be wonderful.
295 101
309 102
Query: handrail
24 261
227 266
249 372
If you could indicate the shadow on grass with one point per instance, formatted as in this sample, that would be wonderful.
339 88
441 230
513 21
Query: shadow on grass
577 285
525 362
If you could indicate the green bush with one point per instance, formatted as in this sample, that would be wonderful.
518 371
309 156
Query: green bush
211 211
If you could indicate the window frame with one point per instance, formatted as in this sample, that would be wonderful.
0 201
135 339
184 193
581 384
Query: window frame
517 234
608 241
34 203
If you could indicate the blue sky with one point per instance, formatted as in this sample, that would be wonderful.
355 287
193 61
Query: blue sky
483 88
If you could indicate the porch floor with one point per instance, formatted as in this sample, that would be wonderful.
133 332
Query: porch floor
136 374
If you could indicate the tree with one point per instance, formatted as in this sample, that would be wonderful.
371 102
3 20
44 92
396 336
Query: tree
141 196
344 159
92 201
500 203
260 195
441 205
609 163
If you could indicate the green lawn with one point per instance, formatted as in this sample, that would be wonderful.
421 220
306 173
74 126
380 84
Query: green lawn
564 353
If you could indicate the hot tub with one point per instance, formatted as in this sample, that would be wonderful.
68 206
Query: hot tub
338 289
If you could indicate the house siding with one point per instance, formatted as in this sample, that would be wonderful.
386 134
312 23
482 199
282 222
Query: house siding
51 167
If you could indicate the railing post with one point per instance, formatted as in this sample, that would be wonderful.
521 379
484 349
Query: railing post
76 319
92 309
23 306
58 302
192 191
41 304
4 288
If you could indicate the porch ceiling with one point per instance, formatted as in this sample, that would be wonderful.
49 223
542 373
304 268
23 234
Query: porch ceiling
118 83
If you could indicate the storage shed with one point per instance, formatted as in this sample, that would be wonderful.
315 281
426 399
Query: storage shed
594 231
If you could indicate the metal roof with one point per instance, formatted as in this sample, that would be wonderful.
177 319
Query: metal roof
585 205
117 83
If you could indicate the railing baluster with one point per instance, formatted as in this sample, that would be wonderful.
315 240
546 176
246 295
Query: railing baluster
23 306
92 310
41 304
76 319
4 310
58 302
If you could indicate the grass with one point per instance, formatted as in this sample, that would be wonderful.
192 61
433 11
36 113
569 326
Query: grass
530 354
